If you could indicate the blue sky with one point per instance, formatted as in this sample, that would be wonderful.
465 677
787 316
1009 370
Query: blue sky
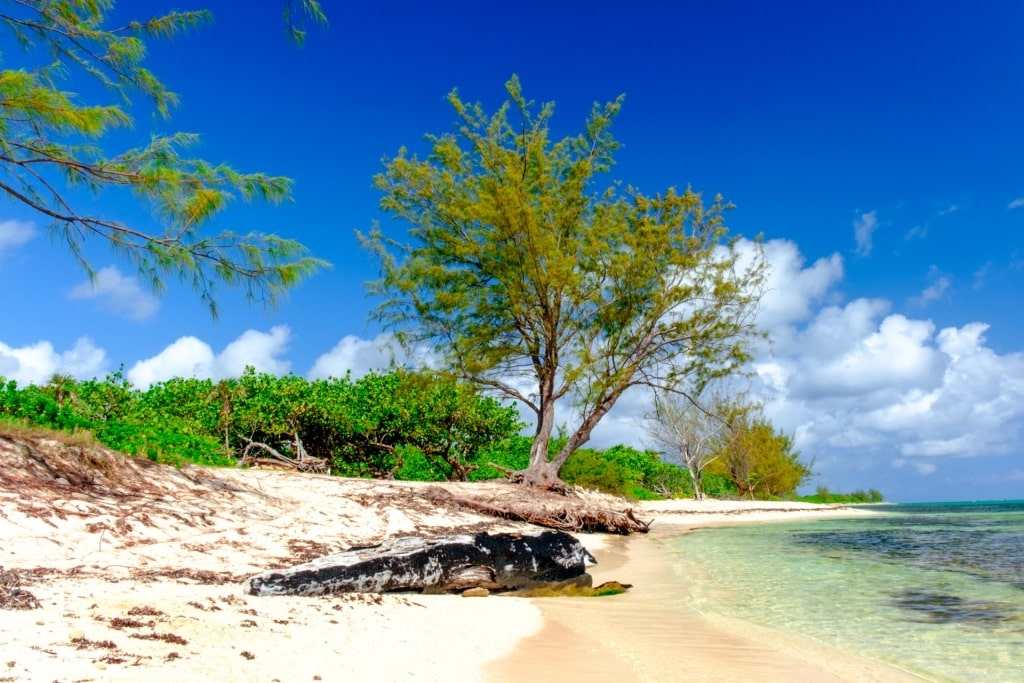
876 146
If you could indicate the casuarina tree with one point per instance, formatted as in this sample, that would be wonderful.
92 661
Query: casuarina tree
534 276
53 143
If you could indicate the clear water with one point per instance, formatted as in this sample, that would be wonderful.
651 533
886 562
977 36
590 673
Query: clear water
935 589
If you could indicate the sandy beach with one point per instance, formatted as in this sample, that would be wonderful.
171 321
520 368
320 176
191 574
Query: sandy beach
138 575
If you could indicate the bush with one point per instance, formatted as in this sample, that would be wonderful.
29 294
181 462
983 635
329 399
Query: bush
589 469
512 453
163 445
417 467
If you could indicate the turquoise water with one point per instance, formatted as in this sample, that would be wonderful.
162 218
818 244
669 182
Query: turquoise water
935 589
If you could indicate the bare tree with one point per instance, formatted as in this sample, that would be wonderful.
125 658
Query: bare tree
686 432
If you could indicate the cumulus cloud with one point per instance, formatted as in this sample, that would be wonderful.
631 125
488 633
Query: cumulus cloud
863 230
191 357
13 234
360 356
118 294
791 291
859 380
36 363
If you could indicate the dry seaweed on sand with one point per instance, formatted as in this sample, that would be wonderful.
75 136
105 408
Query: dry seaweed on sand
12 595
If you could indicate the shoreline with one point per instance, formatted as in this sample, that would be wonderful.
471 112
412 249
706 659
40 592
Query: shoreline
138 575
653 633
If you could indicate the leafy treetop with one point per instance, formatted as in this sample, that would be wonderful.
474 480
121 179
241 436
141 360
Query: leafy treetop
535 281
50 145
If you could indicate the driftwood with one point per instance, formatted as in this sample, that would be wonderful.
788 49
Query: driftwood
566 513
496 562
303 463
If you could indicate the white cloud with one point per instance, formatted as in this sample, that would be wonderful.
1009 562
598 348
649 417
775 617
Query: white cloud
191 357
14 234
258 349
186 357
923 467
35 364
934 291
791 289
859 382
118 294
851 361
1016 203
863 229
916 232
360 356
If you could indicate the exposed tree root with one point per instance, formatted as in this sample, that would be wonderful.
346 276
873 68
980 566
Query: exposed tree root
568 513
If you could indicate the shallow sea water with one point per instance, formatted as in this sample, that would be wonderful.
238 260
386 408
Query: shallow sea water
937 590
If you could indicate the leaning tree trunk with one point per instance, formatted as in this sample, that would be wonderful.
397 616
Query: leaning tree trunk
541 472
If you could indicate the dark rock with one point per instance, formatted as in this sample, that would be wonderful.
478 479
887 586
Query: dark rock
437 565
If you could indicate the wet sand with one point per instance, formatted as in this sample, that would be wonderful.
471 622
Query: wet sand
655 633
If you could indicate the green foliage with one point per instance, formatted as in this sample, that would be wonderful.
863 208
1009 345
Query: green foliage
447 423
509 455
417 467
587 468
409 425
759 461
522 262
51 145
655 478
823 495
619 470
162 443
116 415
400 423
719 486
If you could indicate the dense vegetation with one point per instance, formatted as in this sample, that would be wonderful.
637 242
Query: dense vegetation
401 424
364 427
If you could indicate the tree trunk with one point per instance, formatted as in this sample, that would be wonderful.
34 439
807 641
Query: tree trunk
540 472
544 475
698 485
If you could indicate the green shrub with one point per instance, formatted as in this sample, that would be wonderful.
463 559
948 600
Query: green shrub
512 453
417 467
163 445
591 470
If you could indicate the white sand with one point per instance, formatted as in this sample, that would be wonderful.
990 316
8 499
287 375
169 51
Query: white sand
148 587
